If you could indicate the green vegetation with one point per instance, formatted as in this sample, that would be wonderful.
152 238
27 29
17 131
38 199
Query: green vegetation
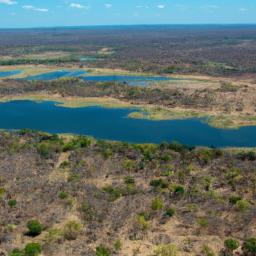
12 202
203 222
34 227
170 212
207 251
139 192
142 221
71 230
63 195
32 249
157 204
102 251
249 246
166 250
231 245
113 193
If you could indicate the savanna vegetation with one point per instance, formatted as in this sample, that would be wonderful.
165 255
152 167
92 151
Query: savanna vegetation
214 50
78 196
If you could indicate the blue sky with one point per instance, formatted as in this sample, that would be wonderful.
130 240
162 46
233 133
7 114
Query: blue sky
45 13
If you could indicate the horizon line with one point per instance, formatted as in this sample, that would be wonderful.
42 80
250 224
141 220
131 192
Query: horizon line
129 25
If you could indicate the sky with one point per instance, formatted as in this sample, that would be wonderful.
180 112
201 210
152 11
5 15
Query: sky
52 13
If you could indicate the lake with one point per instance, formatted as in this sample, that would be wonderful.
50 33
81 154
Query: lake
131 80
57 74
10 73
113 124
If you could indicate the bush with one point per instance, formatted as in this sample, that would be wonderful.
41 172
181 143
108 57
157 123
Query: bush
12 202
63 195
46 149
203 222
17 252
71 230
157 204
114 193
170 212
32 249
54 235
143 223
207 251
117 245
179 190
159 183
76 143
166 250
242 205
249 247
234 199
129 180
102 251
231 244
34 227
250 156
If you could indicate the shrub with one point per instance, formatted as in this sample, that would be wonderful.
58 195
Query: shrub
76 143
114 193
128 165
234 199
249 247
177 147
157 204
88 212
16 252
250 156
2 192
117 245
54 235
129 180
63 195
32 249
159 183
207 251
233 173
143 223
203 222
242 205
34 227
46 149
179 190
71 230
102 251
170 212
12 202
166 250
231 244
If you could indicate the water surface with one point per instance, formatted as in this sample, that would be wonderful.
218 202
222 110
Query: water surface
113 124
56 75
10 73
131 80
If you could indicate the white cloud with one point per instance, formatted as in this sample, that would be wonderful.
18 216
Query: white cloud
243 9
9 2
32 8
161 6
78 6
142 6
211 7
108 6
